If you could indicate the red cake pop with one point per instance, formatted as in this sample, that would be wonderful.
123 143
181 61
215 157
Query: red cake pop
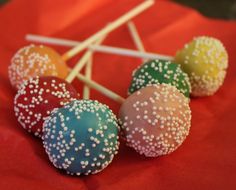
37 97
155 120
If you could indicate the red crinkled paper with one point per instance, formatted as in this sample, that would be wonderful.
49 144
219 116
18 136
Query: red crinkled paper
206 160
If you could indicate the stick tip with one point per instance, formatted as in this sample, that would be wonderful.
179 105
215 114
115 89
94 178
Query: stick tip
27 36
64 57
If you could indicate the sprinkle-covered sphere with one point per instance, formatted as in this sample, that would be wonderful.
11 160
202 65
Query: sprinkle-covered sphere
155 120
32 61
81 137
37 97
158 72
205 60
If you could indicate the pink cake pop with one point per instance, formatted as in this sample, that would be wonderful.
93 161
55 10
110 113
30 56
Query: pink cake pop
155 120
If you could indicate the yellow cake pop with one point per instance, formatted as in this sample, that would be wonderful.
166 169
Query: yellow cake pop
205 60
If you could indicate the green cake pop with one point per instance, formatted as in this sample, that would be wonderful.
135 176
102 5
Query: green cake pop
158 72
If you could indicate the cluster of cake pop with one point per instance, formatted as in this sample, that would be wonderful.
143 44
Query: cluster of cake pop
157 123
200 69
155 118
79 136
82 136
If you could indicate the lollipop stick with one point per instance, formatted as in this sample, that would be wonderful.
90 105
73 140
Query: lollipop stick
81 63
88 74
135 36
100 88
98 48
112 26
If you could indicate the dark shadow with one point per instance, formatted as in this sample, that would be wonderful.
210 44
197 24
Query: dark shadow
213 8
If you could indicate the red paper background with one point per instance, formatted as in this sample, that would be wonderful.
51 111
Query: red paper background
206 160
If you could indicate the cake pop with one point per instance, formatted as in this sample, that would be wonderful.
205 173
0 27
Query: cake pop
155 120
205 60
81 137
158 72
32 61
37 97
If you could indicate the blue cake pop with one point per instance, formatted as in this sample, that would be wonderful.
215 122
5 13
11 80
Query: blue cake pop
81 137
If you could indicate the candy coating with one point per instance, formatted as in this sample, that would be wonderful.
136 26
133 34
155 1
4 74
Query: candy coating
205 60
37 97
81 137
31 61
158 72
155 120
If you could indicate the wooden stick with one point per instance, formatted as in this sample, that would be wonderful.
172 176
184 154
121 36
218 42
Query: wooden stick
100 88
81 63
88 74
98 48
136 37
108 28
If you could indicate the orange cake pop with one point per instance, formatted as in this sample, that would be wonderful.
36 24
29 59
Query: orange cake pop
31 61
